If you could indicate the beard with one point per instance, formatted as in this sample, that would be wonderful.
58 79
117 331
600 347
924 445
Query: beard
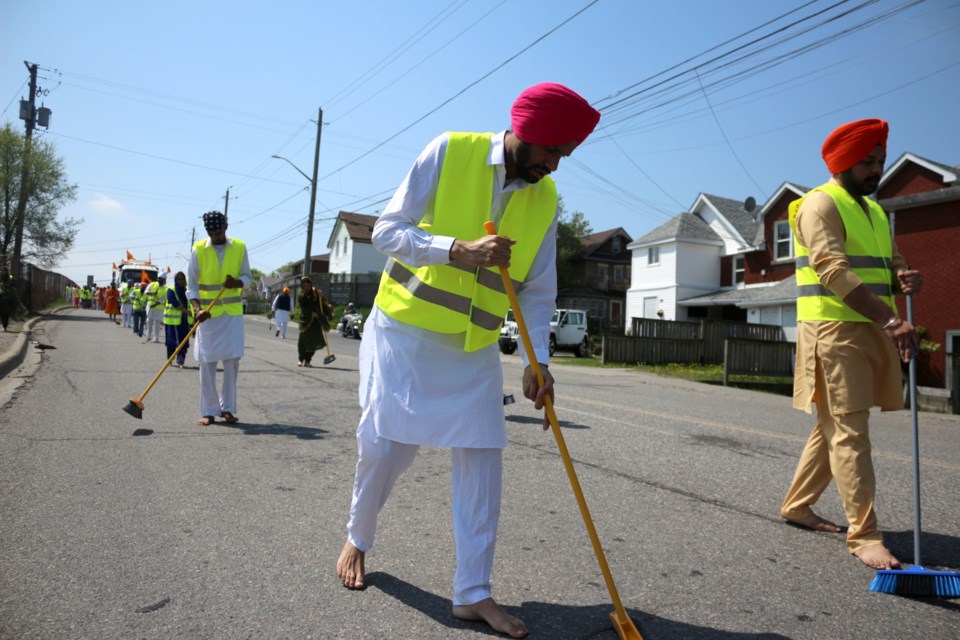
525 170
858 187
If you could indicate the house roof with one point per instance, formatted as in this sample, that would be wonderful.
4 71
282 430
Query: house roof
594 241
359 226
783 292
684 226
948 173
735 212
268 281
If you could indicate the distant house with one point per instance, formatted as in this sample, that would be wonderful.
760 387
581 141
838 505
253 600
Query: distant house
598 278
730 260
713 261
351 251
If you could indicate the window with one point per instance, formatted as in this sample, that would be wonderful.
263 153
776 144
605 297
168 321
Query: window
783 243
738 269
603 276
618 274
336 249
616 244
653 255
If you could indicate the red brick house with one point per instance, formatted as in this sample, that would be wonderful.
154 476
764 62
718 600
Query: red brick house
922 198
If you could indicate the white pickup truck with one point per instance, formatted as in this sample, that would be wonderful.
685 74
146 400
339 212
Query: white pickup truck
568 332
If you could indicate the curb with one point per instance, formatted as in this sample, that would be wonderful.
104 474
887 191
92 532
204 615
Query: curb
13 358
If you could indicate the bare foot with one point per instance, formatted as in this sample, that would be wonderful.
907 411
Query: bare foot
815 523
877 556
493 614
206 421
350 567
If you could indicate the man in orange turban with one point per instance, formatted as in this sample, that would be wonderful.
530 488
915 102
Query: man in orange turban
849 334
428 348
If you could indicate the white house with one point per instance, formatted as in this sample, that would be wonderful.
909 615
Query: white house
351 253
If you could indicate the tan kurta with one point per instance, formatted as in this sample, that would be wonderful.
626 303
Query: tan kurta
860 364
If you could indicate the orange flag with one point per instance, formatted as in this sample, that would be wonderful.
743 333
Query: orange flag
168 268
144 277
114 266
130 256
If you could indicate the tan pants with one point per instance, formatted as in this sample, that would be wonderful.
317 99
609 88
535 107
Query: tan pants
838 449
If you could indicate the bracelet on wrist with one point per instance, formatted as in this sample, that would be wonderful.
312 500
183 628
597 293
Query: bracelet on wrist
892 323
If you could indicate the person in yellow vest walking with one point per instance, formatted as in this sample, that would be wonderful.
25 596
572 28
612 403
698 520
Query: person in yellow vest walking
156 303
850 337
139 298
177 318
218 263
430 370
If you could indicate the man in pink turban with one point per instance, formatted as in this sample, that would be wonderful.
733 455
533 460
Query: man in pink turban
430 370
849 334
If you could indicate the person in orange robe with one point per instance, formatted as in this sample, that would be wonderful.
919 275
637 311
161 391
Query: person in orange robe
112 306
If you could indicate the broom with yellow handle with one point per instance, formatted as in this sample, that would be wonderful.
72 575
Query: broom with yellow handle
135 406
621 621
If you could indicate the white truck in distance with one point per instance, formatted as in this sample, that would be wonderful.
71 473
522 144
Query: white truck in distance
568 332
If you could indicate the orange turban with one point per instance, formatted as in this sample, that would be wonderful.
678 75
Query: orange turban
850 143
550 114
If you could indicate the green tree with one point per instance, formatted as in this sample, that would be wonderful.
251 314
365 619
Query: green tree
571 230
45 238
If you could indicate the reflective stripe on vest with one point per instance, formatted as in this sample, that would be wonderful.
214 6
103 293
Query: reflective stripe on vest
869 251
212 276
172 315
455 297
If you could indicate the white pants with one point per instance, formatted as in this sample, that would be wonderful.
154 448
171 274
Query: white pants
126 312
281 318
213 403
155 324
477 482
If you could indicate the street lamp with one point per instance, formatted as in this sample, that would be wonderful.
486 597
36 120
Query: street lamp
313 192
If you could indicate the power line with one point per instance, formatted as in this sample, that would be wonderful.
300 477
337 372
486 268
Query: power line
462 91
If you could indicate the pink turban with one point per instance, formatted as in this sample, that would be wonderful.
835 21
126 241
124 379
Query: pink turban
850 143
550 114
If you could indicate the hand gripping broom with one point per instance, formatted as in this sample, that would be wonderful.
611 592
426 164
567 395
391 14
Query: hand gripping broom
916 581
621 621
135 406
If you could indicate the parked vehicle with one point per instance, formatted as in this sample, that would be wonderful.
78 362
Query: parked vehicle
136 270
508 334
351 323
568 332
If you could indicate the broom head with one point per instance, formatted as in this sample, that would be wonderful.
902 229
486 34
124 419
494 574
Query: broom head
330 358
134 408
917 581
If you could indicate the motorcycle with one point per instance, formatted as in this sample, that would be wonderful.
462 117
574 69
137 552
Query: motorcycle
351 325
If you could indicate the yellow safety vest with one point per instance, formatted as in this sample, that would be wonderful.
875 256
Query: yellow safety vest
139 299
172 315
455 297
869 252
212 276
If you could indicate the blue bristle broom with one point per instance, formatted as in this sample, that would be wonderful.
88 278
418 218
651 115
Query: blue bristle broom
916 581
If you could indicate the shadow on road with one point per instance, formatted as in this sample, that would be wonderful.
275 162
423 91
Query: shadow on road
303 433
539 422
548 620
938 550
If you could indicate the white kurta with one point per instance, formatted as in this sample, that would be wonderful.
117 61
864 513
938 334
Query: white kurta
419 386
219 338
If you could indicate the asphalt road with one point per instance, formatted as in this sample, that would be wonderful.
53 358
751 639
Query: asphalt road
232 531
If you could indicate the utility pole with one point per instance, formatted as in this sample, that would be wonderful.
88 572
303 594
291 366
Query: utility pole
28 113
226 204
313 196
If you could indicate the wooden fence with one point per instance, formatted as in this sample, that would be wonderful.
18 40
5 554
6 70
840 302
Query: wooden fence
621 349
757 357
710 334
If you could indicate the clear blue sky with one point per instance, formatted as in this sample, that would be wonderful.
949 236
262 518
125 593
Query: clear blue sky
159 108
